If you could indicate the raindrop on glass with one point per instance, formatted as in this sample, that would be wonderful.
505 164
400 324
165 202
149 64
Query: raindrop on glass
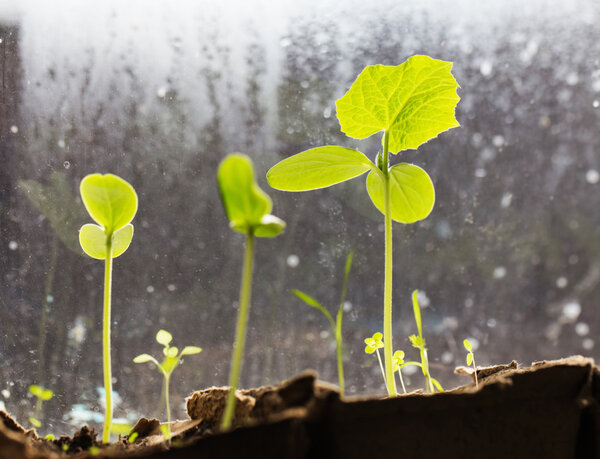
588 344
499 272
571 310
480 172
582 329
596 104
491 323
292 261
61 143
5 393
14 129
562 282
486 68
592 176
13 245
447 358
506 200
150 289
50 299
67 164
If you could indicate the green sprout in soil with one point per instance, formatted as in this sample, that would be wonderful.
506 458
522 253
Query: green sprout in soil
336 325
112 204
373 344
419 342
248 210
410 104
42 395
170 361
471 359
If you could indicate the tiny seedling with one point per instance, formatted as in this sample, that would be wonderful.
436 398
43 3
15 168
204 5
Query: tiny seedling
410 103
112 204
373 344
42 395
336 326
248 210
419 342
170 361
471 359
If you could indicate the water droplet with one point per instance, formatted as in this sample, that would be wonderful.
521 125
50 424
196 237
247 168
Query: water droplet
285 42
171 287
13 245
150 289
480 172
347 306
499 272
592 176
324 334
582 329
596 104
5 393
327 112
506 200
161 92
67 164
409 370
50 299
292 261
14 129
498 141
423 299
290 130
588 344
491 323
486 68
447 358
572 79
305 84
561 282
571 310
61 143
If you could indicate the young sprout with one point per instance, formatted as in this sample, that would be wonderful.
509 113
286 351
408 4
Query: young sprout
373 344
42 395
397 361
112 204
471 359
170 361
336 326
248 210
409 104
419 343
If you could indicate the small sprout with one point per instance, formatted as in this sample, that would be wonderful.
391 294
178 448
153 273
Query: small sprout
373 344
471 359
112 203
42 395
248 210
397 361
166 367
94 450
49 437
133 437
336 325
65 447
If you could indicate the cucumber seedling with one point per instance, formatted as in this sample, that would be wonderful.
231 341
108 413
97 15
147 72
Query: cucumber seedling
112 204
471 359
419 342
336 325
248 210
170 361
410 103
42 395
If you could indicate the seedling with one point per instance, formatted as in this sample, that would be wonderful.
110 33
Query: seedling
112 204
170 361
42 395
471 359
247 207
419 342
336 326
373 344
410 103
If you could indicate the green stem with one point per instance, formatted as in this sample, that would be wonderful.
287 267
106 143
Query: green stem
338 339
425 368
401 380
387 287
240 332
381 366
106 341
168 408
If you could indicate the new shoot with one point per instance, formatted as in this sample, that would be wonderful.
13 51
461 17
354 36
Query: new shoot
112 204
471 360
248 210
407 105
419 342
42 395
170 361
336 325
373 344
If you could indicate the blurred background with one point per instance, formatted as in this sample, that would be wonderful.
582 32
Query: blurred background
159 92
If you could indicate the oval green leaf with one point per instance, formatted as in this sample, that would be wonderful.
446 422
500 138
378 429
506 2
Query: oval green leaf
111 201
467 345
270 226
36 390
46 395
143 358
163 337
190 350
244 202
415 101
93 240
469 359
318 168
413 194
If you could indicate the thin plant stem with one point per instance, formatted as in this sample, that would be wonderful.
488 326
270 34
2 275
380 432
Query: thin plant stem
401 380
387 287
475 372
425 368
240 332
106 341
168 408
338 339
381 366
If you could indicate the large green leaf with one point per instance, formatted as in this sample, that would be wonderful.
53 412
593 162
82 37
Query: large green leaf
246 205
93 240
412 192
318 168
110 200
414 102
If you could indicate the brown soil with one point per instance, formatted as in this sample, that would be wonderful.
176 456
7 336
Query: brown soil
549 410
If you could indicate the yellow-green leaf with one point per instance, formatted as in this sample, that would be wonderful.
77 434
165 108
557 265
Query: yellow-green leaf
318 168
412 192
93 240
163 337
190 350
270 226
469 358
467 345
111 201
414 101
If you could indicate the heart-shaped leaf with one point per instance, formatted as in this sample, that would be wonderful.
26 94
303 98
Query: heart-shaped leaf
412 192
318 168
93 240
110 200
414 102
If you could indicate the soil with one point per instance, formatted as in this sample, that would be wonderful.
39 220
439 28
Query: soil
548 410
